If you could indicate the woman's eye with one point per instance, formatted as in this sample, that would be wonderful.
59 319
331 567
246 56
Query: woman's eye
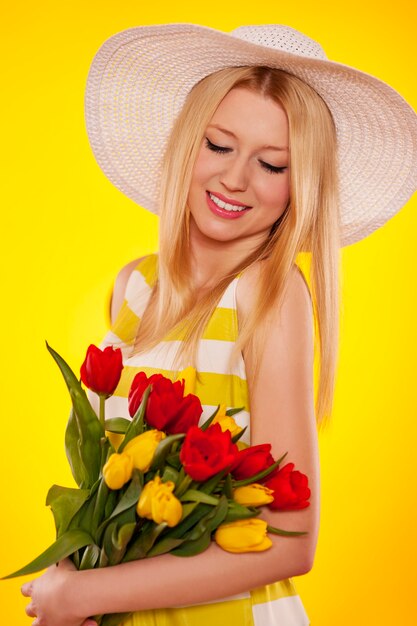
272 169
215 148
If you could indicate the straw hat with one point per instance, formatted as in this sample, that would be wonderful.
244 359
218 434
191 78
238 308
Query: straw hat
140 78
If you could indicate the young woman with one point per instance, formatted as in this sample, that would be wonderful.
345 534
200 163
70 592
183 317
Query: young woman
269 150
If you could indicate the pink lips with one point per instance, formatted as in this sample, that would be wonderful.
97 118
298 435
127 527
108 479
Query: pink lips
231 215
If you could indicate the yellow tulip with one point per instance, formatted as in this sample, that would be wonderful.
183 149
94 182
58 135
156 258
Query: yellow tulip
118 470
141 449
157 502
253 495
245 535
189 376
226 421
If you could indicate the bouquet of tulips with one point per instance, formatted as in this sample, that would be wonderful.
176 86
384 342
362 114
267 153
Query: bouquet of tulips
159 482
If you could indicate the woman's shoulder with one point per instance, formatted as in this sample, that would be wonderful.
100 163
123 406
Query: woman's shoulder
120 284
297 293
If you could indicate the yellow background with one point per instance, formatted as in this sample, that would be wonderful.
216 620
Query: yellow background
66 231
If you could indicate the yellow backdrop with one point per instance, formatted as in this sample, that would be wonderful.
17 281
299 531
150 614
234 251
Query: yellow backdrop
66 231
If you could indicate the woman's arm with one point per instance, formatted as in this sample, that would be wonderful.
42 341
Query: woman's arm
283 414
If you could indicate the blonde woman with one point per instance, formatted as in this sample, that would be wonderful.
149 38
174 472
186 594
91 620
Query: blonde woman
253 148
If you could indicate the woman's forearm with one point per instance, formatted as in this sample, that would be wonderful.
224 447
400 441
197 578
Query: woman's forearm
169 581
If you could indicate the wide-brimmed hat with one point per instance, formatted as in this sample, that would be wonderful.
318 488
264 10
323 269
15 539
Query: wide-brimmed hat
139 80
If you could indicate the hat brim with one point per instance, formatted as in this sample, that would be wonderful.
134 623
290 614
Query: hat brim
140 78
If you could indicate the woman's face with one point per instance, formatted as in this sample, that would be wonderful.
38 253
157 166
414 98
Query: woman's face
240 181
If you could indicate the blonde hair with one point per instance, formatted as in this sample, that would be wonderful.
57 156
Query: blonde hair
310 223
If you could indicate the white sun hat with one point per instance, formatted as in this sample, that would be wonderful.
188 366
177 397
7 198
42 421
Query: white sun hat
139 80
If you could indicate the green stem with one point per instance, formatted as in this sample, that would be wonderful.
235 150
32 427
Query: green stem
183 486
285 533
102 401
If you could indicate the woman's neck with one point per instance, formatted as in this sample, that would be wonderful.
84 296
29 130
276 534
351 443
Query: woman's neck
212 260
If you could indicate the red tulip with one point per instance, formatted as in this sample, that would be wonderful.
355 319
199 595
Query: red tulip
102 369
139 384
207 452
290 488
252 460
167 409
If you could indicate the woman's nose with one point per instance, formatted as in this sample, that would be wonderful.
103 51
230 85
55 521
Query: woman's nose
235 175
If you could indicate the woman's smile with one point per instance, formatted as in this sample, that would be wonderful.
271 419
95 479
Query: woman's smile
228 209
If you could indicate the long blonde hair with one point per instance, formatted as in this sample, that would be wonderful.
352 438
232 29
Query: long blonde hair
310 224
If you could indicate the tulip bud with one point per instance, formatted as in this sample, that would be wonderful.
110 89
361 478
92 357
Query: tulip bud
188 375
157 502
118 470
226 422
142 448
245 535
102 369
253 495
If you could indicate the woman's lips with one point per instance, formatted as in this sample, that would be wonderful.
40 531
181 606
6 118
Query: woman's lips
225 213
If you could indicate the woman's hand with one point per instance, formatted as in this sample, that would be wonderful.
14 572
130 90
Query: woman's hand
51 603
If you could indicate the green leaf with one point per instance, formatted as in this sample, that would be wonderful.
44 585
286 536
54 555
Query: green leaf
239 435
68 543
111 503
191 520
219 514
174 460
104 561
194 495
84 431
65 502
108 539
205 523
208 421
90 557
128 500
231 412
76 558
238 511
163 449
170 474
117 425
228 487
183 484
99 506
82 518
141 546
190 548
120 538
167 544
137 425
210 485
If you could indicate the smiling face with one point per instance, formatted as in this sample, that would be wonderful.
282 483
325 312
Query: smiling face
240 181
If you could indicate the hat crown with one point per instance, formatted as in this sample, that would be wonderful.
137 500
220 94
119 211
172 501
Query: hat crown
280 37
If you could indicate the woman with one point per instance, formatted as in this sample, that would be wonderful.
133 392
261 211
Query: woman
249 180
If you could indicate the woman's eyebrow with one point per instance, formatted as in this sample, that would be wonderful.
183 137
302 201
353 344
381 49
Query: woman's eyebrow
231 134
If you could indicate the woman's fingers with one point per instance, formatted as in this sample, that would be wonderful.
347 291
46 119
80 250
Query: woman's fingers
66 564
30 611
26 589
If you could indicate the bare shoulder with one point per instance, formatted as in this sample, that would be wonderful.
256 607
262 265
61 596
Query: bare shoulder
119 288
297 303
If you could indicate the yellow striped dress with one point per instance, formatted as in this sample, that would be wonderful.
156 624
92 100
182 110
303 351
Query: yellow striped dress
274 605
